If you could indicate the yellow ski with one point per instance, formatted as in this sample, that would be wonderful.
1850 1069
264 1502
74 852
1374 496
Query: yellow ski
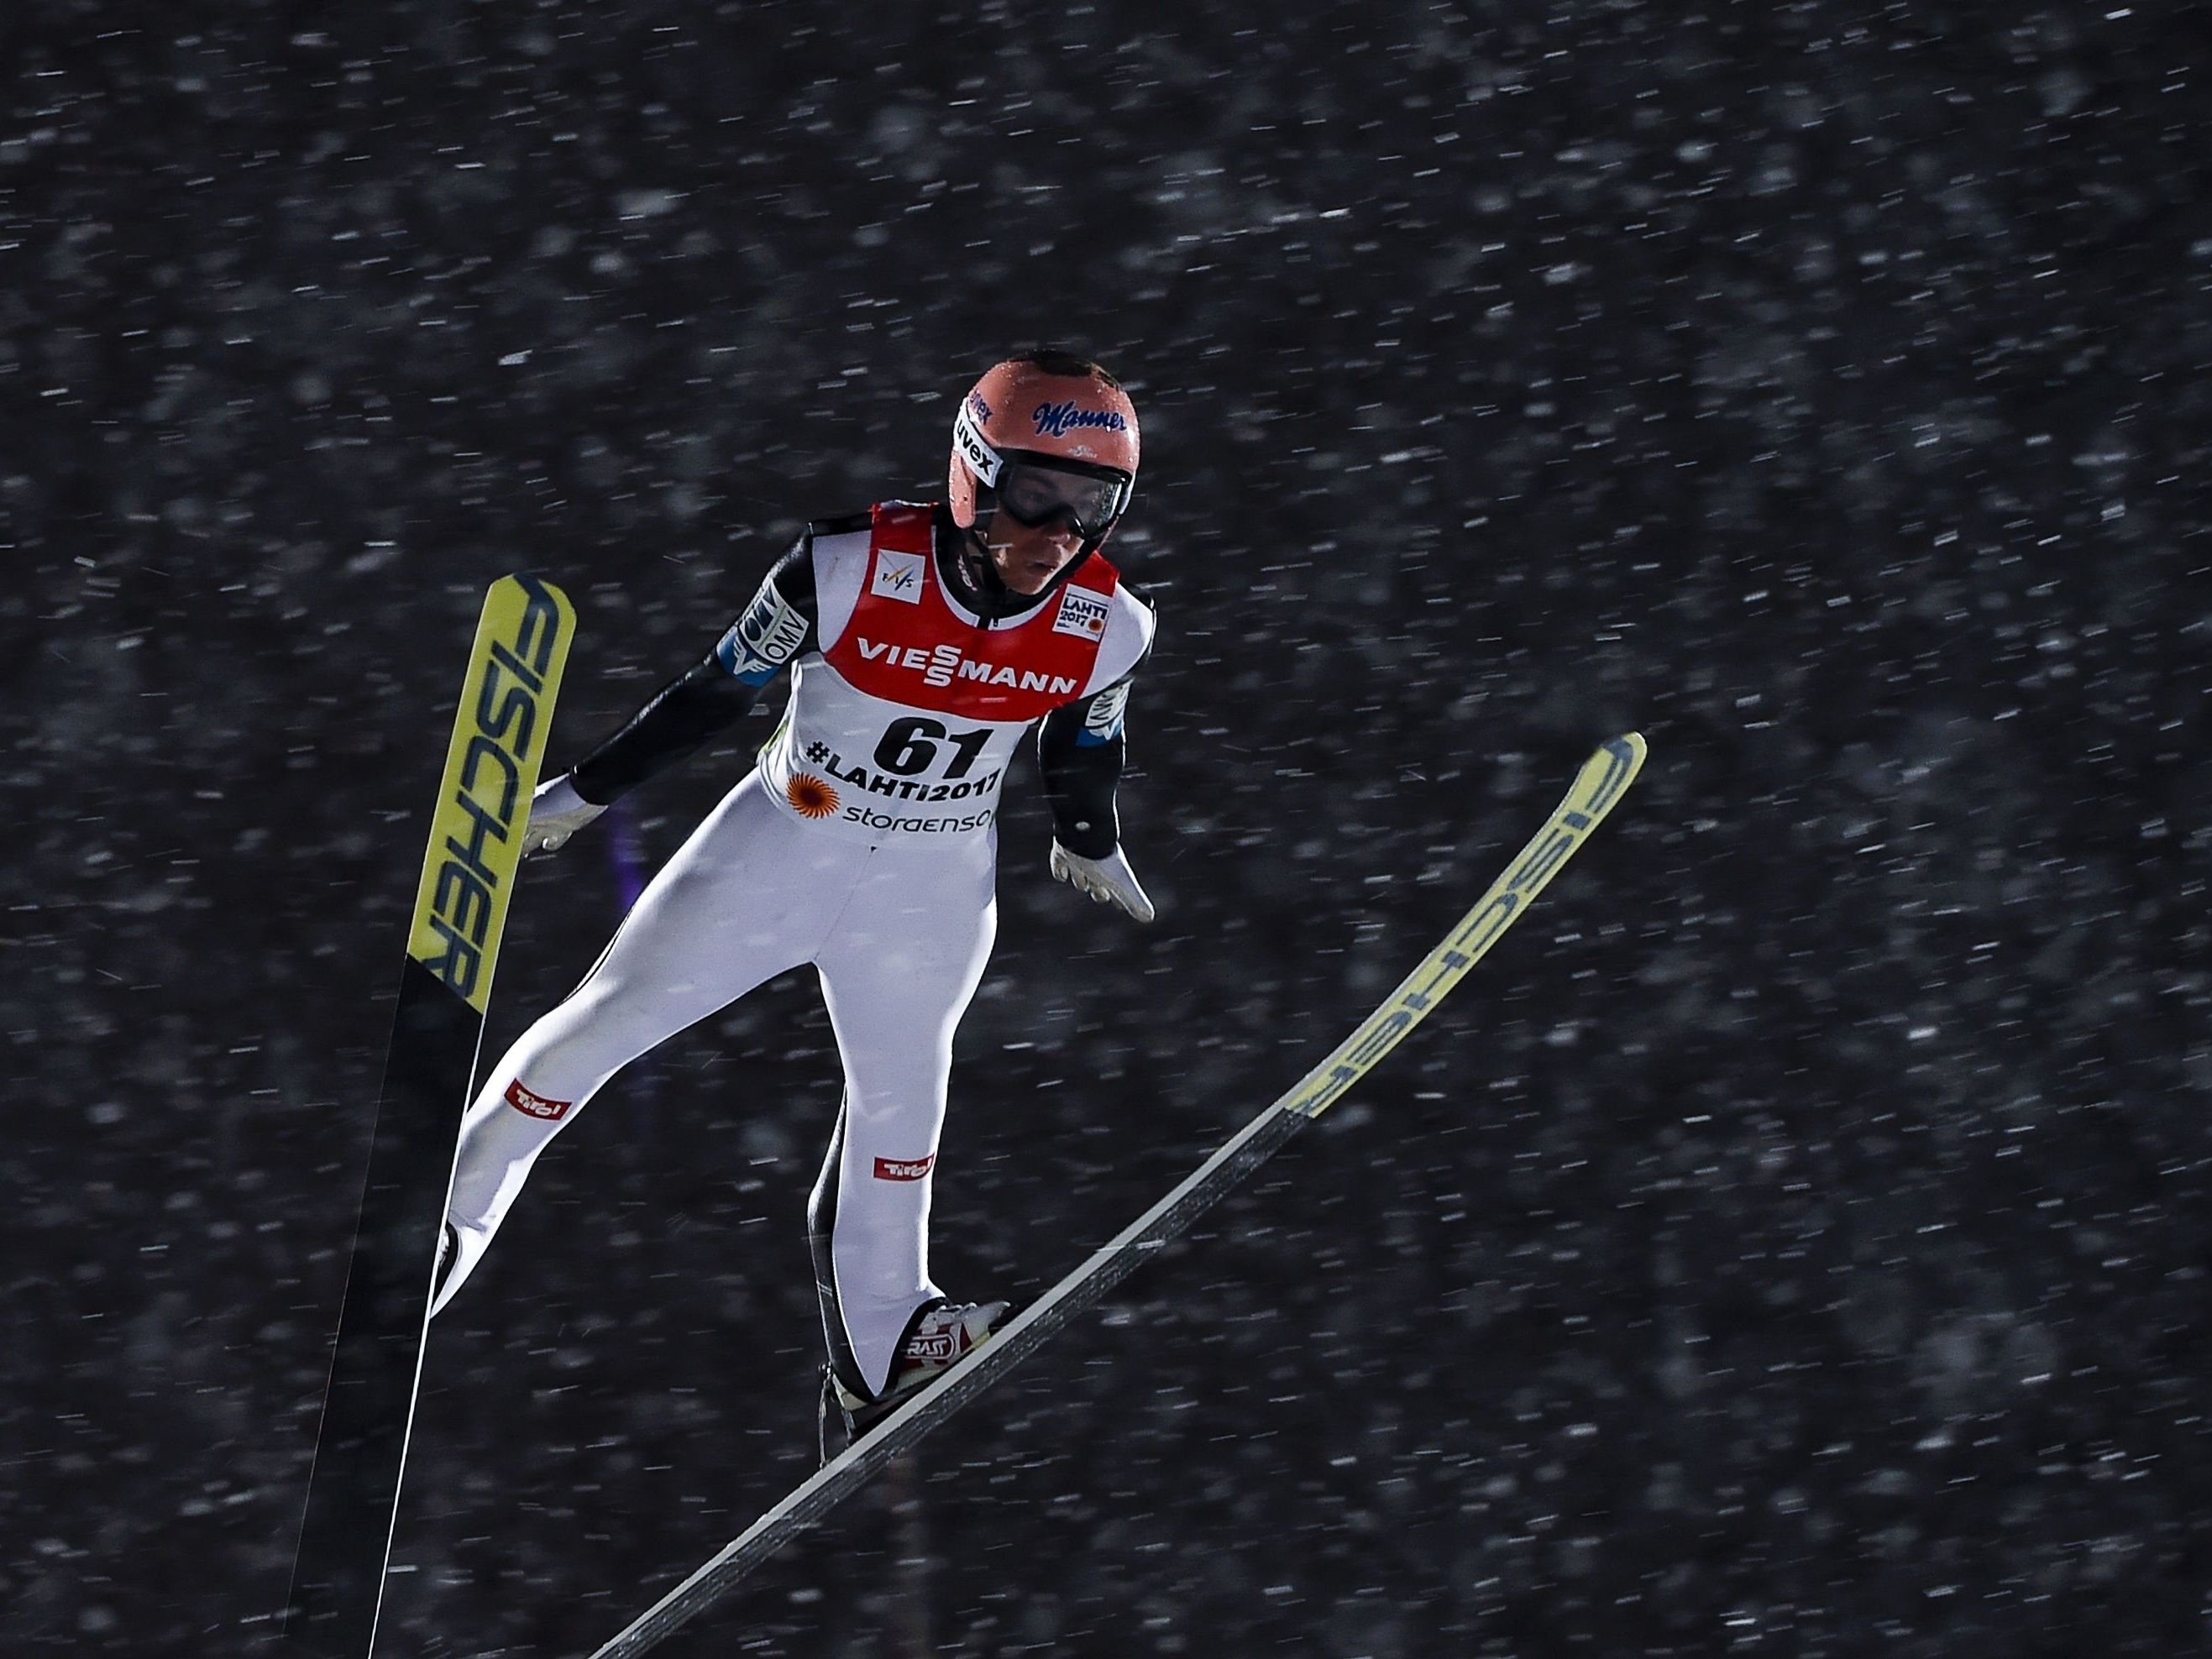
499 739
1604 778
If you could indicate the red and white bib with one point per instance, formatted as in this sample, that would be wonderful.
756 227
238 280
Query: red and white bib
903 722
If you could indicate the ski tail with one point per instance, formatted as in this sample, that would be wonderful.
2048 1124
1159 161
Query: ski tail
1602 781
492 762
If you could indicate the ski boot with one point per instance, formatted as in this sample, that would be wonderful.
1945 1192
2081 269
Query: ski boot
938 1336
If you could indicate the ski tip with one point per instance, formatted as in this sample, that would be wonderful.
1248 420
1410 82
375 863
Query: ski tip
1613 768
1626 752
528 585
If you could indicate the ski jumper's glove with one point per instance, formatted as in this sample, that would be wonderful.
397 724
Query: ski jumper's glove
557 812
1108 880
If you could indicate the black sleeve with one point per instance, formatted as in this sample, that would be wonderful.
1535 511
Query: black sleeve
709 697
1081 750
1081 769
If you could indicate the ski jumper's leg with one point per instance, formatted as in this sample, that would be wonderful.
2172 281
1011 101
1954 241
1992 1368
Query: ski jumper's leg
898 972
749 895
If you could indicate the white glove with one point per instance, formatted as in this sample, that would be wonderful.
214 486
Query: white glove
1108 880
557 812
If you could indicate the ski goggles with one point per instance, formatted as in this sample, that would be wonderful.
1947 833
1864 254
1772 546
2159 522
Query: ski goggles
1037 492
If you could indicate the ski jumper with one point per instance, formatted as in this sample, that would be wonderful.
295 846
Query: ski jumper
865 844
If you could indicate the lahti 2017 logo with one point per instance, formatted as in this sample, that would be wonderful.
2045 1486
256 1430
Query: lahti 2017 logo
1058 420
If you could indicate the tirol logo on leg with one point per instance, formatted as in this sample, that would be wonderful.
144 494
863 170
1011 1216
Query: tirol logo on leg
897 1169
536 1105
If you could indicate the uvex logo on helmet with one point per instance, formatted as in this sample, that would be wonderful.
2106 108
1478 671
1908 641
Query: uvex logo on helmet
1058 420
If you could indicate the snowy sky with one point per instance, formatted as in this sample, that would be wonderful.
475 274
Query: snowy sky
1794 1238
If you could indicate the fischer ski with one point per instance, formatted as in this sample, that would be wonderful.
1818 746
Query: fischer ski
492 762
1603 779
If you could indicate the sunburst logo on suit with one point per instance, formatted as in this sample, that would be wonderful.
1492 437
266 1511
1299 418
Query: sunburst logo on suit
810 797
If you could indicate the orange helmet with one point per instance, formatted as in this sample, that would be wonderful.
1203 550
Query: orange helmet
1045 436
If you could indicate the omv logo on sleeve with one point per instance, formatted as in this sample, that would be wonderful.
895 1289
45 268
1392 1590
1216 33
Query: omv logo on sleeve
1101 721
763 640
1058 420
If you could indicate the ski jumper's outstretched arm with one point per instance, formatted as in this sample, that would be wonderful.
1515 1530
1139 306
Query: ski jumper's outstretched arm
710 695
677 720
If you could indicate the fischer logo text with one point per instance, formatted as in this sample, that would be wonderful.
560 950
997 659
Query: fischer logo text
489 804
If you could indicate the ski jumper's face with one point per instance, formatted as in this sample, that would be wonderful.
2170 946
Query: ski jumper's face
1028 557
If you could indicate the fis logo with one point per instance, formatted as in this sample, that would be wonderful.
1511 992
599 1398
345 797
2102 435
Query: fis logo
498 741
1058 420
897 576
536 1105
897 1169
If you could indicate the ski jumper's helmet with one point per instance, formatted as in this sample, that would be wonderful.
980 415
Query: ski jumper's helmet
1045 436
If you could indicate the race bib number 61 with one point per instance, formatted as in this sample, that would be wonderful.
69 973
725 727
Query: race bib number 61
911 747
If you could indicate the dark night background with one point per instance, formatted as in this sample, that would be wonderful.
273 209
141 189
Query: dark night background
1793 1240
